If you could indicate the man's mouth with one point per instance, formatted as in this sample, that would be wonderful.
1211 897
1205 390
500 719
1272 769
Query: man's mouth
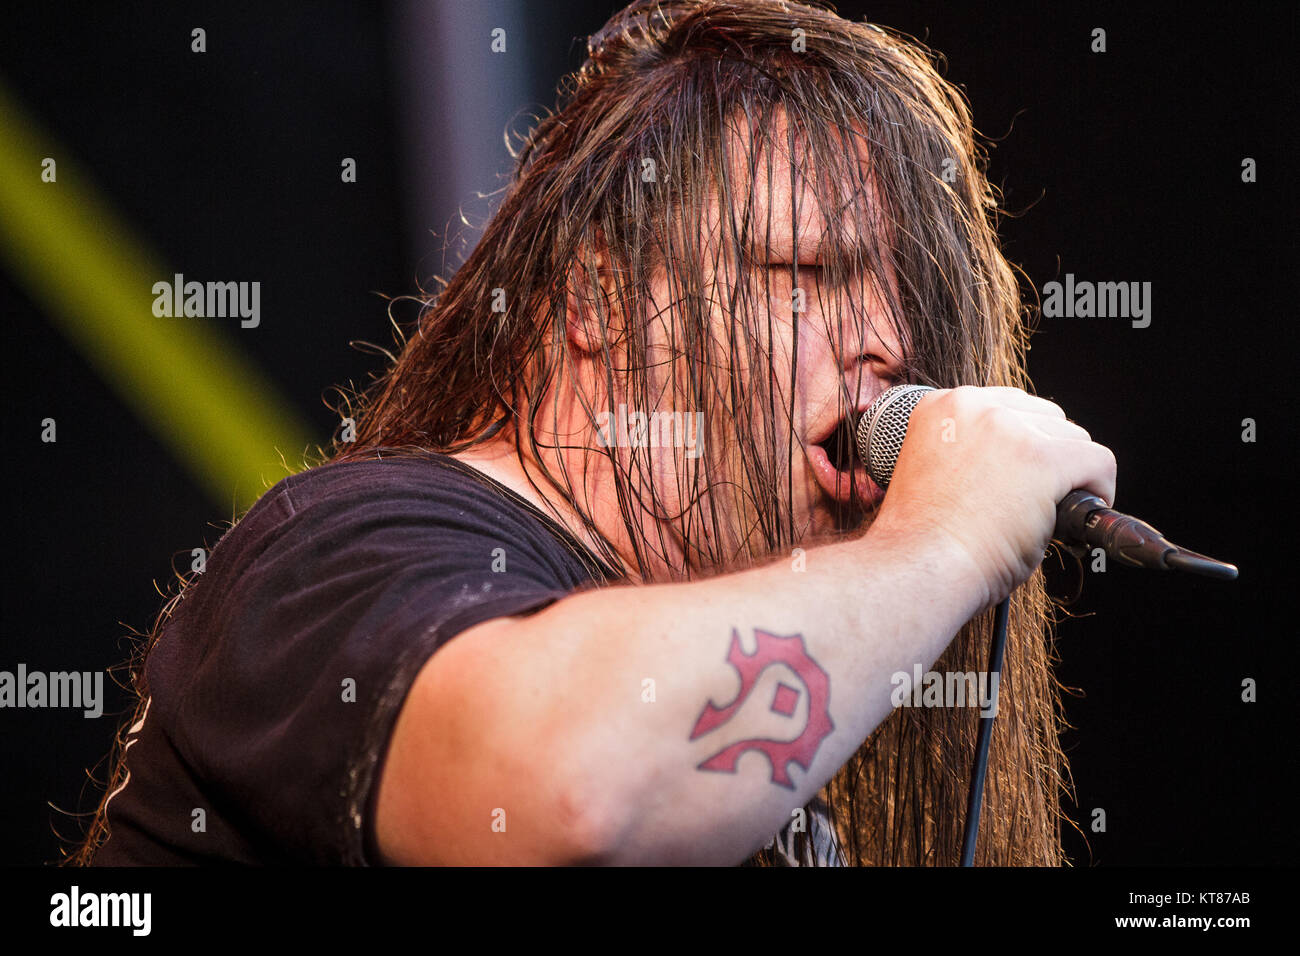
836 467
839 446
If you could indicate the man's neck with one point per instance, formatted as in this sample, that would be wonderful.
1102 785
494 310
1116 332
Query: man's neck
500 460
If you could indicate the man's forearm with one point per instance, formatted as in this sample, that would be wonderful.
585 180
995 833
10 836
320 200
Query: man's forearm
703 714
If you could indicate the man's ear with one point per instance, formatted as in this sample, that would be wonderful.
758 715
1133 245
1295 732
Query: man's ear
589 300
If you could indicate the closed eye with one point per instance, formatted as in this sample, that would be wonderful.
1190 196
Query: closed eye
816 269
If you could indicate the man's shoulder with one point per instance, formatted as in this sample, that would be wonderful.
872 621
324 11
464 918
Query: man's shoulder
391 502
429 482
377 476
343 490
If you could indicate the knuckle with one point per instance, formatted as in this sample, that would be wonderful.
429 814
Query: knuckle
998 418
961 396
1112 464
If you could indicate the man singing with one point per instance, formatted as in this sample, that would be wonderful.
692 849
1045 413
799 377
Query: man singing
599 579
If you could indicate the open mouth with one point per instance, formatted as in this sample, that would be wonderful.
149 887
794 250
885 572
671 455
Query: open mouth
837 469
839 446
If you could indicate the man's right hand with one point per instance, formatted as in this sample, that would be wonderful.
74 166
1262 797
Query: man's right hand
986 468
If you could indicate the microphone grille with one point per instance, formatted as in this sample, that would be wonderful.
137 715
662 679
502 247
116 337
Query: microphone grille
882 428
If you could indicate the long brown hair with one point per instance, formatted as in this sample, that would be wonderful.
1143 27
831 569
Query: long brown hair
616 185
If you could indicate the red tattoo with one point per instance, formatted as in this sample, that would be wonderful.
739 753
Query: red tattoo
772 649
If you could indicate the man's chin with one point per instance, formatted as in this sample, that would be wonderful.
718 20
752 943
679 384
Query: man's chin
830 517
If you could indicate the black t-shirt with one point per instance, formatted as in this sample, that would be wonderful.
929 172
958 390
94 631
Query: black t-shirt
274 686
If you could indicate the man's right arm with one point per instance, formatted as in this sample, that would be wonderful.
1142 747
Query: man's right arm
534 740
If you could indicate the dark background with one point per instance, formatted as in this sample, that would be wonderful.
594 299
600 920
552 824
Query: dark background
1122 166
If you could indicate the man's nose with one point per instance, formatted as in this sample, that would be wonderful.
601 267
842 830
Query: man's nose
880 355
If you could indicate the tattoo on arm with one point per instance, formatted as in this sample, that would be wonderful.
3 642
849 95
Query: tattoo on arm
772 649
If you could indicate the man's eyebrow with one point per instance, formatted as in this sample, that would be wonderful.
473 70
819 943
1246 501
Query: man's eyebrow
847 251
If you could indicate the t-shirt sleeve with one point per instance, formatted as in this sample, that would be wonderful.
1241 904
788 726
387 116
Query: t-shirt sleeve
282 681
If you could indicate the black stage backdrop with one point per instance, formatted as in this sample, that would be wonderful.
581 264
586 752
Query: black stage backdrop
1124 165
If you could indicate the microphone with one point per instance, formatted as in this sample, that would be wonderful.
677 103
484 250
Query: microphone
1082 518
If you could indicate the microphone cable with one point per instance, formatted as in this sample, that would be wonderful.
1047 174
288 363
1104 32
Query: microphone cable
975 799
